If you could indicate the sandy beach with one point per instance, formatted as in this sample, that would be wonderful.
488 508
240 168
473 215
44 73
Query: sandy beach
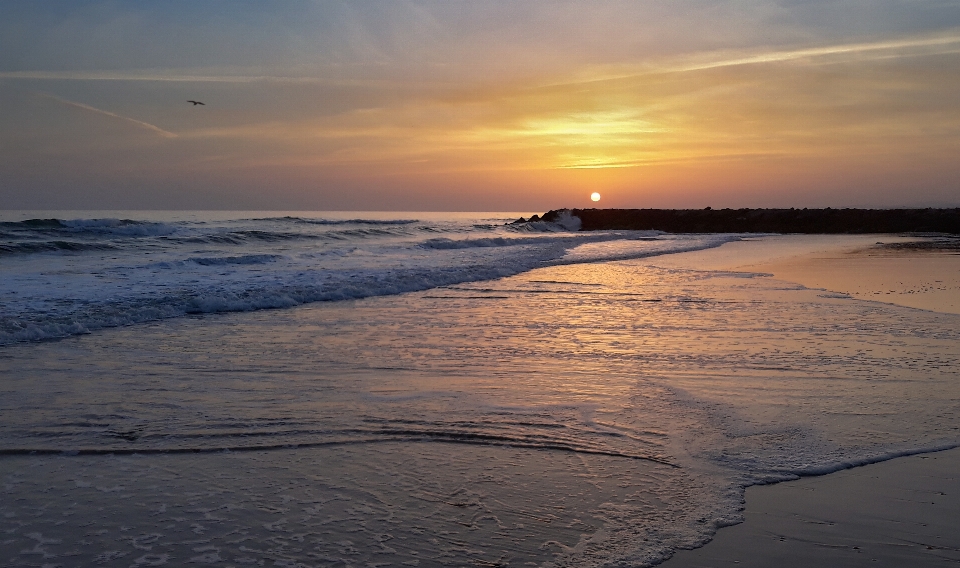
881 268
901 512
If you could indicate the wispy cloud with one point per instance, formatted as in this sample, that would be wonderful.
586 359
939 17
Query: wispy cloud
907 47
853 48
176 77
143 76
140 123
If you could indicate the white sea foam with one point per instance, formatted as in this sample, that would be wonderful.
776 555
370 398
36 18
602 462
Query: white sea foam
127 271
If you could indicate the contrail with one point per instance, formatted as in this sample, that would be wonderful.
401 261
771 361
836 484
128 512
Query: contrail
140 123
140 76
181 78
947 44
950 42
791 55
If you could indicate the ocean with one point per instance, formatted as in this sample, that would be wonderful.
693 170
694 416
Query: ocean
424 389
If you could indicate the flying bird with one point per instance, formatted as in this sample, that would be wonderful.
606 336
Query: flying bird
195 103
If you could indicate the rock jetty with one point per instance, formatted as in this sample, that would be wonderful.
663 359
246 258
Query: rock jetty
809 221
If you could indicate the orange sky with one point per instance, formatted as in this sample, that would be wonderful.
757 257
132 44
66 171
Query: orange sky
414 106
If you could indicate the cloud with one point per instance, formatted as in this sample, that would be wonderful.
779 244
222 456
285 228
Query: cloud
843 49
908 47
139 123
377 75
175 77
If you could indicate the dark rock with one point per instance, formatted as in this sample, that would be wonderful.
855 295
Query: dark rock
551 216
809 221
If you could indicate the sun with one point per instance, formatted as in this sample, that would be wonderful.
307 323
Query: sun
595 196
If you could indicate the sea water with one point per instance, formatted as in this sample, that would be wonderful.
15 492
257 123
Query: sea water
423 390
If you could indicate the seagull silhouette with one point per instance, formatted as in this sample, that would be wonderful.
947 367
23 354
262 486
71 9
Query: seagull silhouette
195 103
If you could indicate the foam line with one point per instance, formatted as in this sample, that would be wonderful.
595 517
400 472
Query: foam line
479 441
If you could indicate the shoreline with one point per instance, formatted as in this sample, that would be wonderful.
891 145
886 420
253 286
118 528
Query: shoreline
898 512
879 512
896 271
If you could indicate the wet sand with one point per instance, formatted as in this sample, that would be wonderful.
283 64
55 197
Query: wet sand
869 267
924 279
902 512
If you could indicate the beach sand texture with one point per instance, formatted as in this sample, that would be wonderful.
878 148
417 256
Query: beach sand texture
902 512
882 268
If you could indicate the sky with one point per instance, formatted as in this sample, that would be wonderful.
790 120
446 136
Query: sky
479 106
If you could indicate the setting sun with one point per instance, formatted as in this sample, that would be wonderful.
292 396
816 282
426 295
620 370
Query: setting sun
331 273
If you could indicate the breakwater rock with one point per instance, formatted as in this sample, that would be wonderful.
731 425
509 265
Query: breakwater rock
810 221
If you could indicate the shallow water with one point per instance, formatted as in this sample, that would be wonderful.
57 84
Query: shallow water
576 415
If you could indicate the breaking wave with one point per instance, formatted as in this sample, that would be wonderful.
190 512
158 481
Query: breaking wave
124 272
118 227
51 246
340 221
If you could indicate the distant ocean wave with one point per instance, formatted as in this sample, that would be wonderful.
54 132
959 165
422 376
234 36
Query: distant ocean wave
223 260
51 246
124 272
119 227
56 235
241 237
449 244
340 221
34 224
139 308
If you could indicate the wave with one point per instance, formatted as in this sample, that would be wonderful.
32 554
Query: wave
364 233
139 293
137 440
245 259
452 244
33 224
285 434
21 243
386 437
77 235
34 247
140 309
540 227
119 227
240 237
308 221
564 221
826 467
574 239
